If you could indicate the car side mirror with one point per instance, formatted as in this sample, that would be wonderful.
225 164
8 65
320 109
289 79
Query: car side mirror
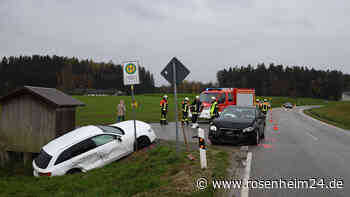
118 138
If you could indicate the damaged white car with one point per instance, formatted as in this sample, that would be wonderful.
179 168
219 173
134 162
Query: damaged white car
91 147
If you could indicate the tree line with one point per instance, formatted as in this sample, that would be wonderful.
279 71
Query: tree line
66 74
295 81
193 87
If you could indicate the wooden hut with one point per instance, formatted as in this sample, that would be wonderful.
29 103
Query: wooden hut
32 116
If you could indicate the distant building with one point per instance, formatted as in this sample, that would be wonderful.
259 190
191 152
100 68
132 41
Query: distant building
32 116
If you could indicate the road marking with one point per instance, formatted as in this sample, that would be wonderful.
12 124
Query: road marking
315 138
245 189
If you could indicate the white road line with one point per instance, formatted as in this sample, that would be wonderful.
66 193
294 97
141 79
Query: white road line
309 134
245 189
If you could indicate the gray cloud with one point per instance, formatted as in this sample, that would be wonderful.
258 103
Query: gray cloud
206 35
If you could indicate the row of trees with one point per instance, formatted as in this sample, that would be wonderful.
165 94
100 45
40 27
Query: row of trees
277 80
66 74
186 86
70 74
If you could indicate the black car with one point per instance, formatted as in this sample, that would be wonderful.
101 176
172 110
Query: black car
288 105
238 124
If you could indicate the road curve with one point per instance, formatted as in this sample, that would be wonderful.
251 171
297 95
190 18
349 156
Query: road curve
302 148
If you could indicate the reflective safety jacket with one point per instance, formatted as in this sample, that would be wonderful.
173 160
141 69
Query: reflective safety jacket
265 106
164 105
196 106
214 109
185 106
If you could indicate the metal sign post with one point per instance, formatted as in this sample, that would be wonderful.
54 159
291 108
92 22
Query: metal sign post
176 111
131 77
175 72
134 115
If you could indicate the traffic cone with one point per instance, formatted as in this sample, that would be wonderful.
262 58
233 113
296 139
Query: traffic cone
275 127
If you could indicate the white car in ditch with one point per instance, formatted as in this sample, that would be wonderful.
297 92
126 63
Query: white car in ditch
91 147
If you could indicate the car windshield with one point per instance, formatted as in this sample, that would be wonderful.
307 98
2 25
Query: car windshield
238 113
206 97
110 129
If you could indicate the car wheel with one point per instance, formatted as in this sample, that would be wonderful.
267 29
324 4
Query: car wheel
74 171
143 142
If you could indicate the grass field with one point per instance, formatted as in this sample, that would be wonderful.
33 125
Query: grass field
335 113
154 172
102 109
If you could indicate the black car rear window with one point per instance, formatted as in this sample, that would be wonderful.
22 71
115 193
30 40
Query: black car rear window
43 159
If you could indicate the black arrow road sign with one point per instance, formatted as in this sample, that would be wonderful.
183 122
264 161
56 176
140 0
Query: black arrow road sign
181 71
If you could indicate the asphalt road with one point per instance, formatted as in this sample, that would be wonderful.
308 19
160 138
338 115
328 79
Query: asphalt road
302 149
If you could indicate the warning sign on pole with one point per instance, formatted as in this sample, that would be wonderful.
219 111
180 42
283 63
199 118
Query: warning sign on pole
131 73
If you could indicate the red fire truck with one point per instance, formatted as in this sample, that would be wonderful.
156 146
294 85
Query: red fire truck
226 97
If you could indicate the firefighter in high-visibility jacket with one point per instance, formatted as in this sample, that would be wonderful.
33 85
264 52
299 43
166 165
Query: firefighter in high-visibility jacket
163 110
185 110
265 106
214 111
196 108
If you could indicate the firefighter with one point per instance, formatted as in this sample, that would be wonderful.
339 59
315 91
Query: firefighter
265 106
196 108
214 111
185 110
163 110
260 104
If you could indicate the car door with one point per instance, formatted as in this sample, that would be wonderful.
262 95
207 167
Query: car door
110 147
127 137
82 155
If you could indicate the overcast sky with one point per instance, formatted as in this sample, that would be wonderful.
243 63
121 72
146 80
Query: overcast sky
206 35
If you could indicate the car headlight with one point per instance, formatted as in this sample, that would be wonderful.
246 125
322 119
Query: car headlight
249 129
213 128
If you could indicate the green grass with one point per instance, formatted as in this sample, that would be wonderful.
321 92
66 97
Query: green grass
102 109
335 113
277 101
146 173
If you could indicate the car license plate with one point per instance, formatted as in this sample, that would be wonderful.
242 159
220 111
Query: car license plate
231 133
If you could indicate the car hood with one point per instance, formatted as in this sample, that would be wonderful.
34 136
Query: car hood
233 123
